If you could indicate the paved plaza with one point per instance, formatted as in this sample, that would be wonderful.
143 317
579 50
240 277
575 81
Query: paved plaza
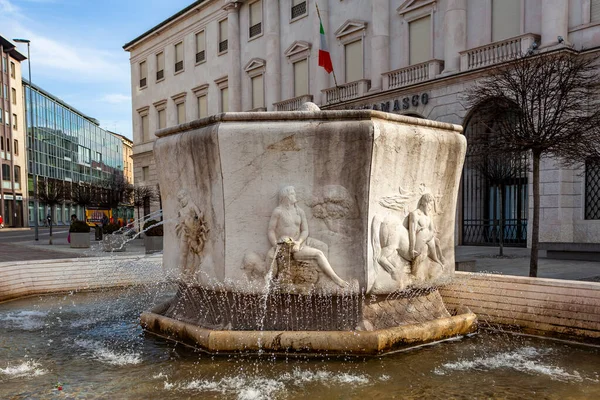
16 245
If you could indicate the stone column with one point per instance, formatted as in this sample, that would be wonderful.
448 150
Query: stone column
234 78
555 21
322 80
273 73
380 41
455 34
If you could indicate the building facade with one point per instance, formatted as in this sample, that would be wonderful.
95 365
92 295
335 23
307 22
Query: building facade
412 57
13 191
65 145
127 160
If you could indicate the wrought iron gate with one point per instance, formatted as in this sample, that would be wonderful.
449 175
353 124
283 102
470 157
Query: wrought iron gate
481 199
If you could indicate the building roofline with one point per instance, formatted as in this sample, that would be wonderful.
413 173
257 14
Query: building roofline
166 22
11 49
121 136
61 102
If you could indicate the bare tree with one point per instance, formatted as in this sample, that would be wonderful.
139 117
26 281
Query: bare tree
52 192
116 191
141 196
542 105
83 194
498 170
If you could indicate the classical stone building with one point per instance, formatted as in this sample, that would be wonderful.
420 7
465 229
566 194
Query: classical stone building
13 189
413 57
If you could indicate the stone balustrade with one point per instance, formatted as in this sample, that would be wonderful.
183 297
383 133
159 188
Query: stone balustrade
497 52
412 74
347 91
293 104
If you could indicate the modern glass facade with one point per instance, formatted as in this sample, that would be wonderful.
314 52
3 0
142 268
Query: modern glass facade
69 146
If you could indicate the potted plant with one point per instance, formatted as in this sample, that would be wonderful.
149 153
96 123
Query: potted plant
113 239
153 236
80 234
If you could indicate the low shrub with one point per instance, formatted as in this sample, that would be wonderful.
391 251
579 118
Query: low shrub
151 230
79 227
109 229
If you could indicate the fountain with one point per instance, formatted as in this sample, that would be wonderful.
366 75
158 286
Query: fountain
238 284
309 232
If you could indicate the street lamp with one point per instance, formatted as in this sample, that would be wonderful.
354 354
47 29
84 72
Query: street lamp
33 164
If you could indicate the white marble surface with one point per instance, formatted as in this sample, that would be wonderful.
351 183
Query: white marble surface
342 165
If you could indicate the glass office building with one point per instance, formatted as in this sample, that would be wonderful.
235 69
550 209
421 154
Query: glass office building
69 146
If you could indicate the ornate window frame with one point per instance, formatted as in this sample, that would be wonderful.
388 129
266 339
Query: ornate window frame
412 10
351 31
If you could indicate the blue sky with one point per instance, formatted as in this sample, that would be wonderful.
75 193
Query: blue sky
77 49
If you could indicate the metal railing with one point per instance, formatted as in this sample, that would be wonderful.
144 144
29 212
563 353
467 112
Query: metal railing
223 46
160 74
200 56
255 29
178 66
592 189
299 10
487 232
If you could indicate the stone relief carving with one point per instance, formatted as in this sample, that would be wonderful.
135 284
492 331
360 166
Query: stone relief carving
294 258
405 244
191 229
334 205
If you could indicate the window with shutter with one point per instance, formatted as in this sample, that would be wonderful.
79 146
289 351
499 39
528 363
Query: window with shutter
223 36
594 10
202 107
162 118
180 113
255 19
160 66
143 74
179 57
258 100
200 47
300 78
354 61
224 100
506 19
419 33
145 128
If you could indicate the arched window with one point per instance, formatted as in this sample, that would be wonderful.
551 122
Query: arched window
494 189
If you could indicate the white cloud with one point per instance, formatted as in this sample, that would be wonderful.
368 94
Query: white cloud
116 98
6 7
62 56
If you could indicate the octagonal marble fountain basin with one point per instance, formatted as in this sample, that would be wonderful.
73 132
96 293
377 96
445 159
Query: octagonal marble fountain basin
300 229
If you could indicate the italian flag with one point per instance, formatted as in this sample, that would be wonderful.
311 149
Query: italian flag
324 56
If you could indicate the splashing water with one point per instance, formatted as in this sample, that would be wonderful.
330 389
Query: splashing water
100 352
525 359
25 369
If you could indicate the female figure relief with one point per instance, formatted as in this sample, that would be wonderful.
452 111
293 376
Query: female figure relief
191 230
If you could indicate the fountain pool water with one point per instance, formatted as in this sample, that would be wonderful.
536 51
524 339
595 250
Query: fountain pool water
93 345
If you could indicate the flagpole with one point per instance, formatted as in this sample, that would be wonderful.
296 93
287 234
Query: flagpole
321 22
